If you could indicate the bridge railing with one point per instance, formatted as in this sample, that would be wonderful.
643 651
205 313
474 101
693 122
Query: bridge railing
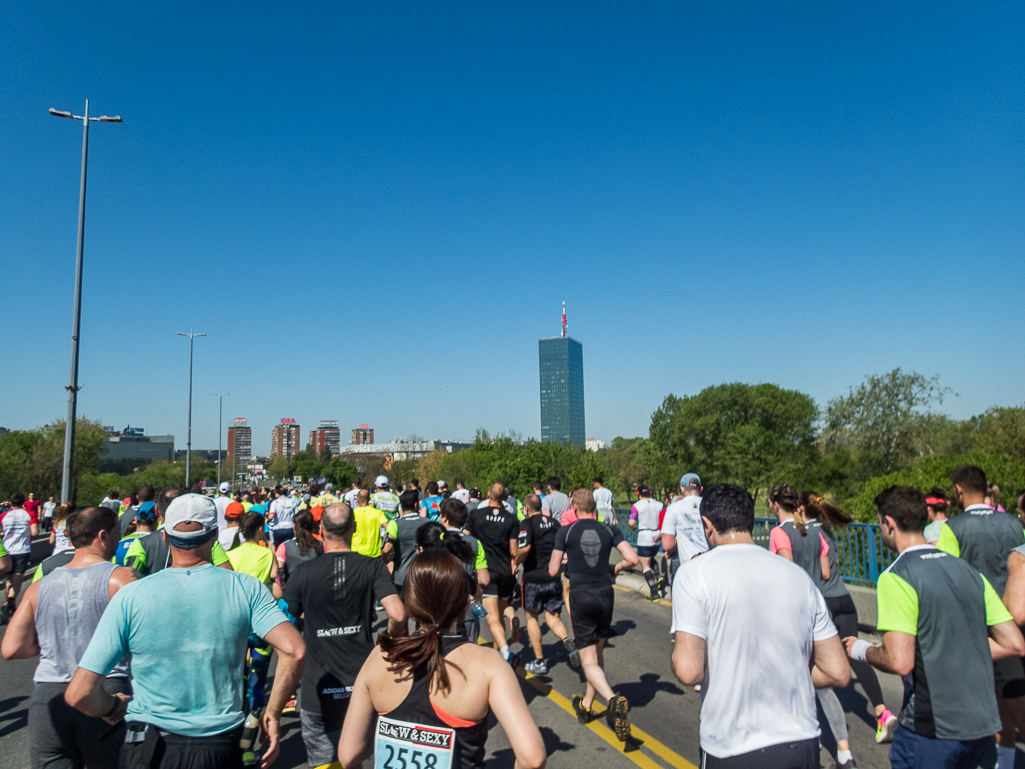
862 556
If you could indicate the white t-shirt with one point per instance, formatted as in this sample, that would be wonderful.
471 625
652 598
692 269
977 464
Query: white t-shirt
221 503
60 538
603 501
227 537
645 512
49 507
759 616
17 531
683 521
284 513
350 497
463 495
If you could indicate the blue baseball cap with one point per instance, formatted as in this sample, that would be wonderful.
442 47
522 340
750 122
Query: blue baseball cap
147 512
690 479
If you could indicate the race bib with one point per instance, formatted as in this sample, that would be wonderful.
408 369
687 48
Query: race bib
402 745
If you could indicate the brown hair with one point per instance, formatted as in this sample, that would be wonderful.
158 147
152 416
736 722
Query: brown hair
583 501
436 597
784 495
60 515
816 507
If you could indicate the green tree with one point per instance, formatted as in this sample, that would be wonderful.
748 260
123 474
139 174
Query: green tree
883 419
33 461
278 468
750 435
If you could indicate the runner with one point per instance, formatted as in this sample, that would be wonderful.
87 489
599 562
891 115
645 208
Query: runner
59 532
937 504
19 529
822 517
644 518
401 544
461 493
222 499
111 501
371 525
806 546
49 506
5 560
555 502
187 713
437 683
603 500
541 591
683 533
431 504
759 653
335 594
230 536
304 545
498 531
282 515
350 496
145 523
384 499
453 518
474 501
32 506
327 497
942 625
144 493
588 545
56 620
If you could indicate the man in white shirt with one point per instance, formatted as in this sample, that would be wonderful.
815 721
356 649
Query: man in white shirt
755 632
461 493
49 506
282 510
221 502
19 528
603 500
644 517
351 495
683 534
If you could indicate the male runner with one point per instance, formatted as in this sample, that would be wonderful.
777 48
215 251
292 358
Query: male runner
588 544
56 621
370 526
350 496
461 493
111 501
19 528
384 499
283 510
985 538
186 707
49 506
222 500
936 503
603 501
555 502
644 517
431 504
943 625
335 593
498 531
145 493
683 533
453 517
758 652
401 544
327 497
541 591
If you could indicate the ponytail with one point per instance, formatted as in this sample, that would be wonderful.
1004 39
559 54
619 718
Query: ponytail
784 495
419 650
829 514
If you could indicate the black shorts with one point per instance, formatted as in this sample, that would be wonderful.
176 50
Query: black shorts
20 562
591 613
221 751
1009 678
320 739
788 755
542 596
501 585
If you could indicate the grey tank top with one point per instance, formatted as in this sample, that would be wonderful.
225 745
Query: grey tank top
68 609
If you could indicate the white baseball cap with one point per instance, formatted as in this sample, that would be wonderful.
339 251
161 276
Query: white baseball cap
381 480
442 485
224 487
191 508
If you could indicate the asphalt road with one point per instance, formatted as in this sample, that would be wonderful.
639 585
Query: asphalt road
664 713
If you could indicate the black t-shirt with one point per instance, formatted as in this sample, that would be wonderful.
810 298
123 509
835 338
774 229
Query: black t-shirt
538 532
495 528
588 543
337 593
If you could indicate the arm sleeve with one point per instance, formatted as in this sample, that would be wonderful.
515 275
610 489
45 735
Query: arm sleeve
264 612
482 558
383 584
822 625
996 612
688 606
778 540
947 541
110 640
617 535
633 512
217 555
37 574
897 605
560 538
393 530
546 503
825 546
524 534
280 552
135 558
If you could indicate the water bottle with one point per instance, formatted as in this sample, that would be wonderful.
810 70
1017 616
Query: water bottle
249 727
480 611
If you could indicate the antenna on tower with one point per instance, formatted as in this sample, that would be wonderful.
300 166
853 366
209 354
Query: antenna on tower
564 333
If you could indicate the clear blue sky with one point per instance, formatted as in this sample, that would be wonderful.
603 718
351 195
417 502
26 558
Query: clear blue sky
375 209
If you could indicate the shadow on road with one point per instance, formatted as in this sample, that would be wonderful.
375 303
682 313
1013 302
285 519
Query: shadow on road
12 720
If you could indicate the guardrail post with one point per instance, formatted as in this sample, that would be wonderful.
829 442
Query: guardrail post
873 555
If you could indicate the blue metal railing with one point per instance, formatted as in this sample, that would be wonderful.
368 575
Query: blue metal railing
862 556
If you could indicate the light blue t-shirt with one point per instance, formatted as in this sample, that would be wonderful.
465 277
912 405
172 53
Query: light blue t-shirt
187 631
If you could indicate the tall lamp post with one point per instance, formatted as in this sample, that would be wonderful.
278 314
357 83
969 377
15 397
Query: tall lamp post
73 387
220 429
188 451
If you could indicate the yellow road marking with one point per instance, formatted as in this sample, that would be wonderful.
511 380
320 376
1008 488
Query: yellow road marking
666 601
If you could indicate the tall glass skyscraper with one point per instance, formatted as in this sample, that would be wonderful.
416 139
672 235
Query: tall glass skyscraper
562 389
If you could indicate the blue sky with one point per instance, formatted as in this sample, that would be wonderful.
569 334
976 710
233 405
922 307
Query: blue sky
375 210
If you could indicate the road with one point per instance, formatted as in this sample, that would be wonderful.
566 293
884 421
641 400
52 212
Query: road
664 713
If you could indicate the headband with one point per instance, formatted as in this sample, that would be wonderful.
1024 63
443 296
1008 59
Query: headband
935 501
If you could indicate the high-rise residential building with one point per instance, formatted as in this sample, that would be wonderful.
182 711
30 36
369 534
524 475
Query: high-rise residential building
561 362
361 435
240 441
327 436
284 439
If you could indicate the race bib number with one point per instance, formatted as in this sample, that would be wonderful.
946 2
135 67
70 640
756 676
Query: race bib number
401 745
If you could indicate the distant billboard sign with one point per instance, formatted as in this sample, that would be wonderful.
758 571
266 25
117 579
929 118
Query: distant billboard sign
329 423
240 420
287 421
362 427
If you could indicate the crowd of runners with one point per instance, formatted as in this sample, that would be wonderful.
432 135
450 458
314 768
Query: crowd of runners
157 617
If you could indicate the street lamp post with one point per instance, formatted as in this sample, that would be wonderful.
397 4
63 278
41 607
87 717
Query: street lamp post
73 386
220 429
188 451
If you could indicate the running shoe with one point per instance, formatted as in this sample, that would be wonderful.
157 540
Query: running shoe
250 758
289 706
848 764
513 659
574 655
583 714
536 668
6 612
616 717
885 727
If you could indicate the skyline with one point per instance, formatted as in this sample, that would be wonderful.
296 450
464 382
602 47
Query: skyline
375 212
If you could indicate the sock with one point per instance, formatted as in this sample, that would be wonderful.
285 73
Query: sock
505 652
1005 757
843 755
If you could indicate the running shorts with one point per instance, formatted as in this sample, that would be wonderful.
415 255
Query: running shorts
220 751
542 596
803 754
321 744
20 562
501 585
648 551
591 613
1009 678
59 735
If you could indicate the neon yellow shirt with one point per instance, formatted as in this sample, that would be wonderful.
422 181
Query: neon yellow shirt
366 539
253 559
